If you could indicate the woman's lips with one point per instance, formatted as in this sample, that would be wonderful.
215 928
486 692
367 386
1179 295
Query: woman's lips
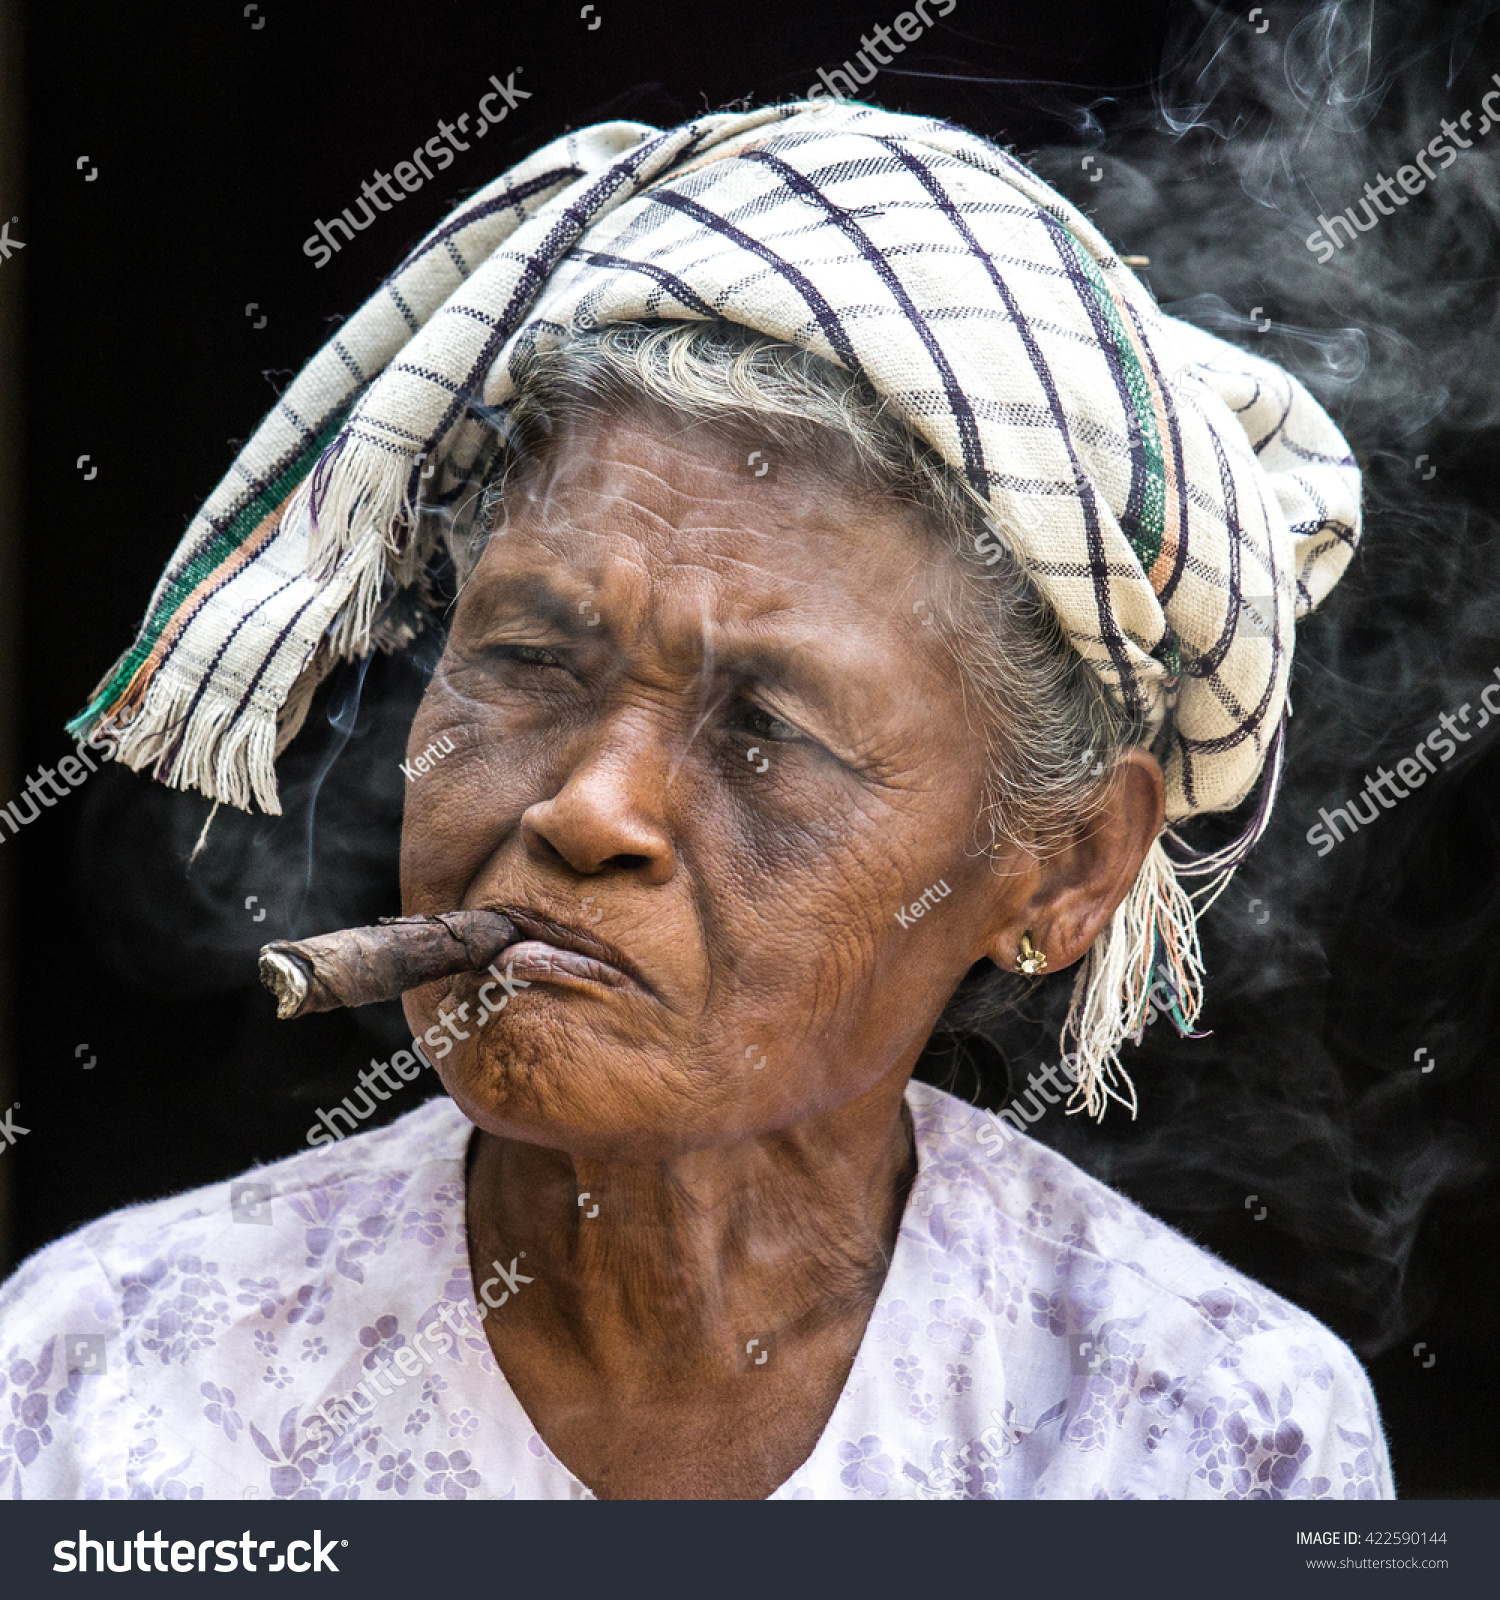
537 961
553 951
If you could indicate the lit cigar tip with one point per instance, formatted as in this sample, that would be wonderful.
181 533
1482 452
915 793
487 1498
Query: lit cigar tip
286 978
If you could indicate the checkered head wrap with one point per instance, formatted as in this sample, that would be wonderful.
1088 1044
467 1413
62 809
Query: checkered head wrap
1179 502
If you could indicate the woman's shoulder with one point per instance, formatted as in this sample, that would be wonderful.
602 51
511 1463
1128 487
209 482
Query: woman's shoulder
382 1157
1137 1341
1059 1210
155 1287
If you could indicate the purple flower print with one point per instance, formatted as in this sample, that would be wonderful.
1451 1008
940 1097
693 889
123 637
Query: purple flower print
1163 1393
1050 1311
424 1226
908 1371
1308 1362
261 1291
170 1301
867 1468
451 1476
923 1407
309 1304
894 1322
952 1325
220 1410
396 1472
381 1341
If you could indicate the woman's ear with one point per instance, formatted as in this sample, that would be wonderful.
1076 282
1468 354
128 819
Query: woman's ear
1073 892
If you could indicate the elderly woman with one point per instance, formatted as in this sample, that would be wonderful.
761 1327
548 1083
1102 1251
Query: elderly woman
858 581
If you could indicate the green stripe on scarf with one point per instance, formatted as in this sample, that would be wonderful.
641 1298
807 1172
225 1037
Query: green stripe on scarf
1146 537
218 550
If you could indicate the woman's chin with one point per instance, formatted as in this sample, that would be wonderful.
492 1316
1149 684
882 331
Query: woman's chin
614 1105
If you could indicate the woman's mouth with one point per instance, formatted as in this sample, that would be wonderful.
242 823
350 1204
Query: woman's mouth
537 961
553 952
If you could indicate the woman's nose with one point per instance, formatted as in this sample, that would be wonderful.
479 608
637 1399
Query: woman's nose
610 812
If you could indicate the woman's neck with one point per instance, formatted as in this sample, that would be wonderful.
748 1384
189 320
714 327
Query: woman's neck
634 1270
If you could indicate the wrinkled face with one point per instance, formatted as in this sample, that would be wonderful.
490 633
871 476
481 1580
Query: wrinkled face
690 728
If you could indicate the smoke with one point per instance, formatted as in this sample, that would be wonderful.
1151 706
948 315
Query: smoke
1333 981
177 931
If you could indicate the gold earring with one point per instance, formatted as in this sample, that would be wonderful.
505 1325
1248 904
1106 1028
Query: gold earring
1031 960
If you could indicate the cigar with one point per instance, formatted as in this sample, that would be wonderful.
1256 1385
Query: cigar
358 966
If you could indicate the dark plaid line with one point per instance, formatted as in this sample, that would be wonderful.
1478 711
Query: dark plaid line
1179 470
406 311
1086 292
258 483
1317 455
1286 411
284 406
958 401
511 200
218 655
1013 414
473 313
271 655
827 318
1208 662
1114 639
1252 719
538 267
1246 732
659 275
1052 488
1344 532
1206 503
1238 410
222 580
439 380
342 351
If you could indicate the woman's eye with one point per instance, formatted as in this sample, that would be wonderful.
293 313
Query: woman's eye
764 725
528 655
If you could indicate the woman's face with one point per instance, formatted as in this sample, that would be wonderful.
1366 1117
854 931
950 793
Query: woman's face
693 717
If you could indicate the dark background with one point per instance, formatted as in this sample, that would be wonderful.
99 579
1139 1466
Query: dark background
217 143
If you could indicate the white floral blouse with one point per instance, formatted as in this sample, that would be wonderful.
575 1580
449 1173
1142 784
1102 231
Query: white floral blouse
1037 1336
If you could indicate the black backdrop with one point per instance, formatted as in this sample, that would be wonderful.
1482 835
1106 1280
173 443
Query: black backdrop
149 1060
